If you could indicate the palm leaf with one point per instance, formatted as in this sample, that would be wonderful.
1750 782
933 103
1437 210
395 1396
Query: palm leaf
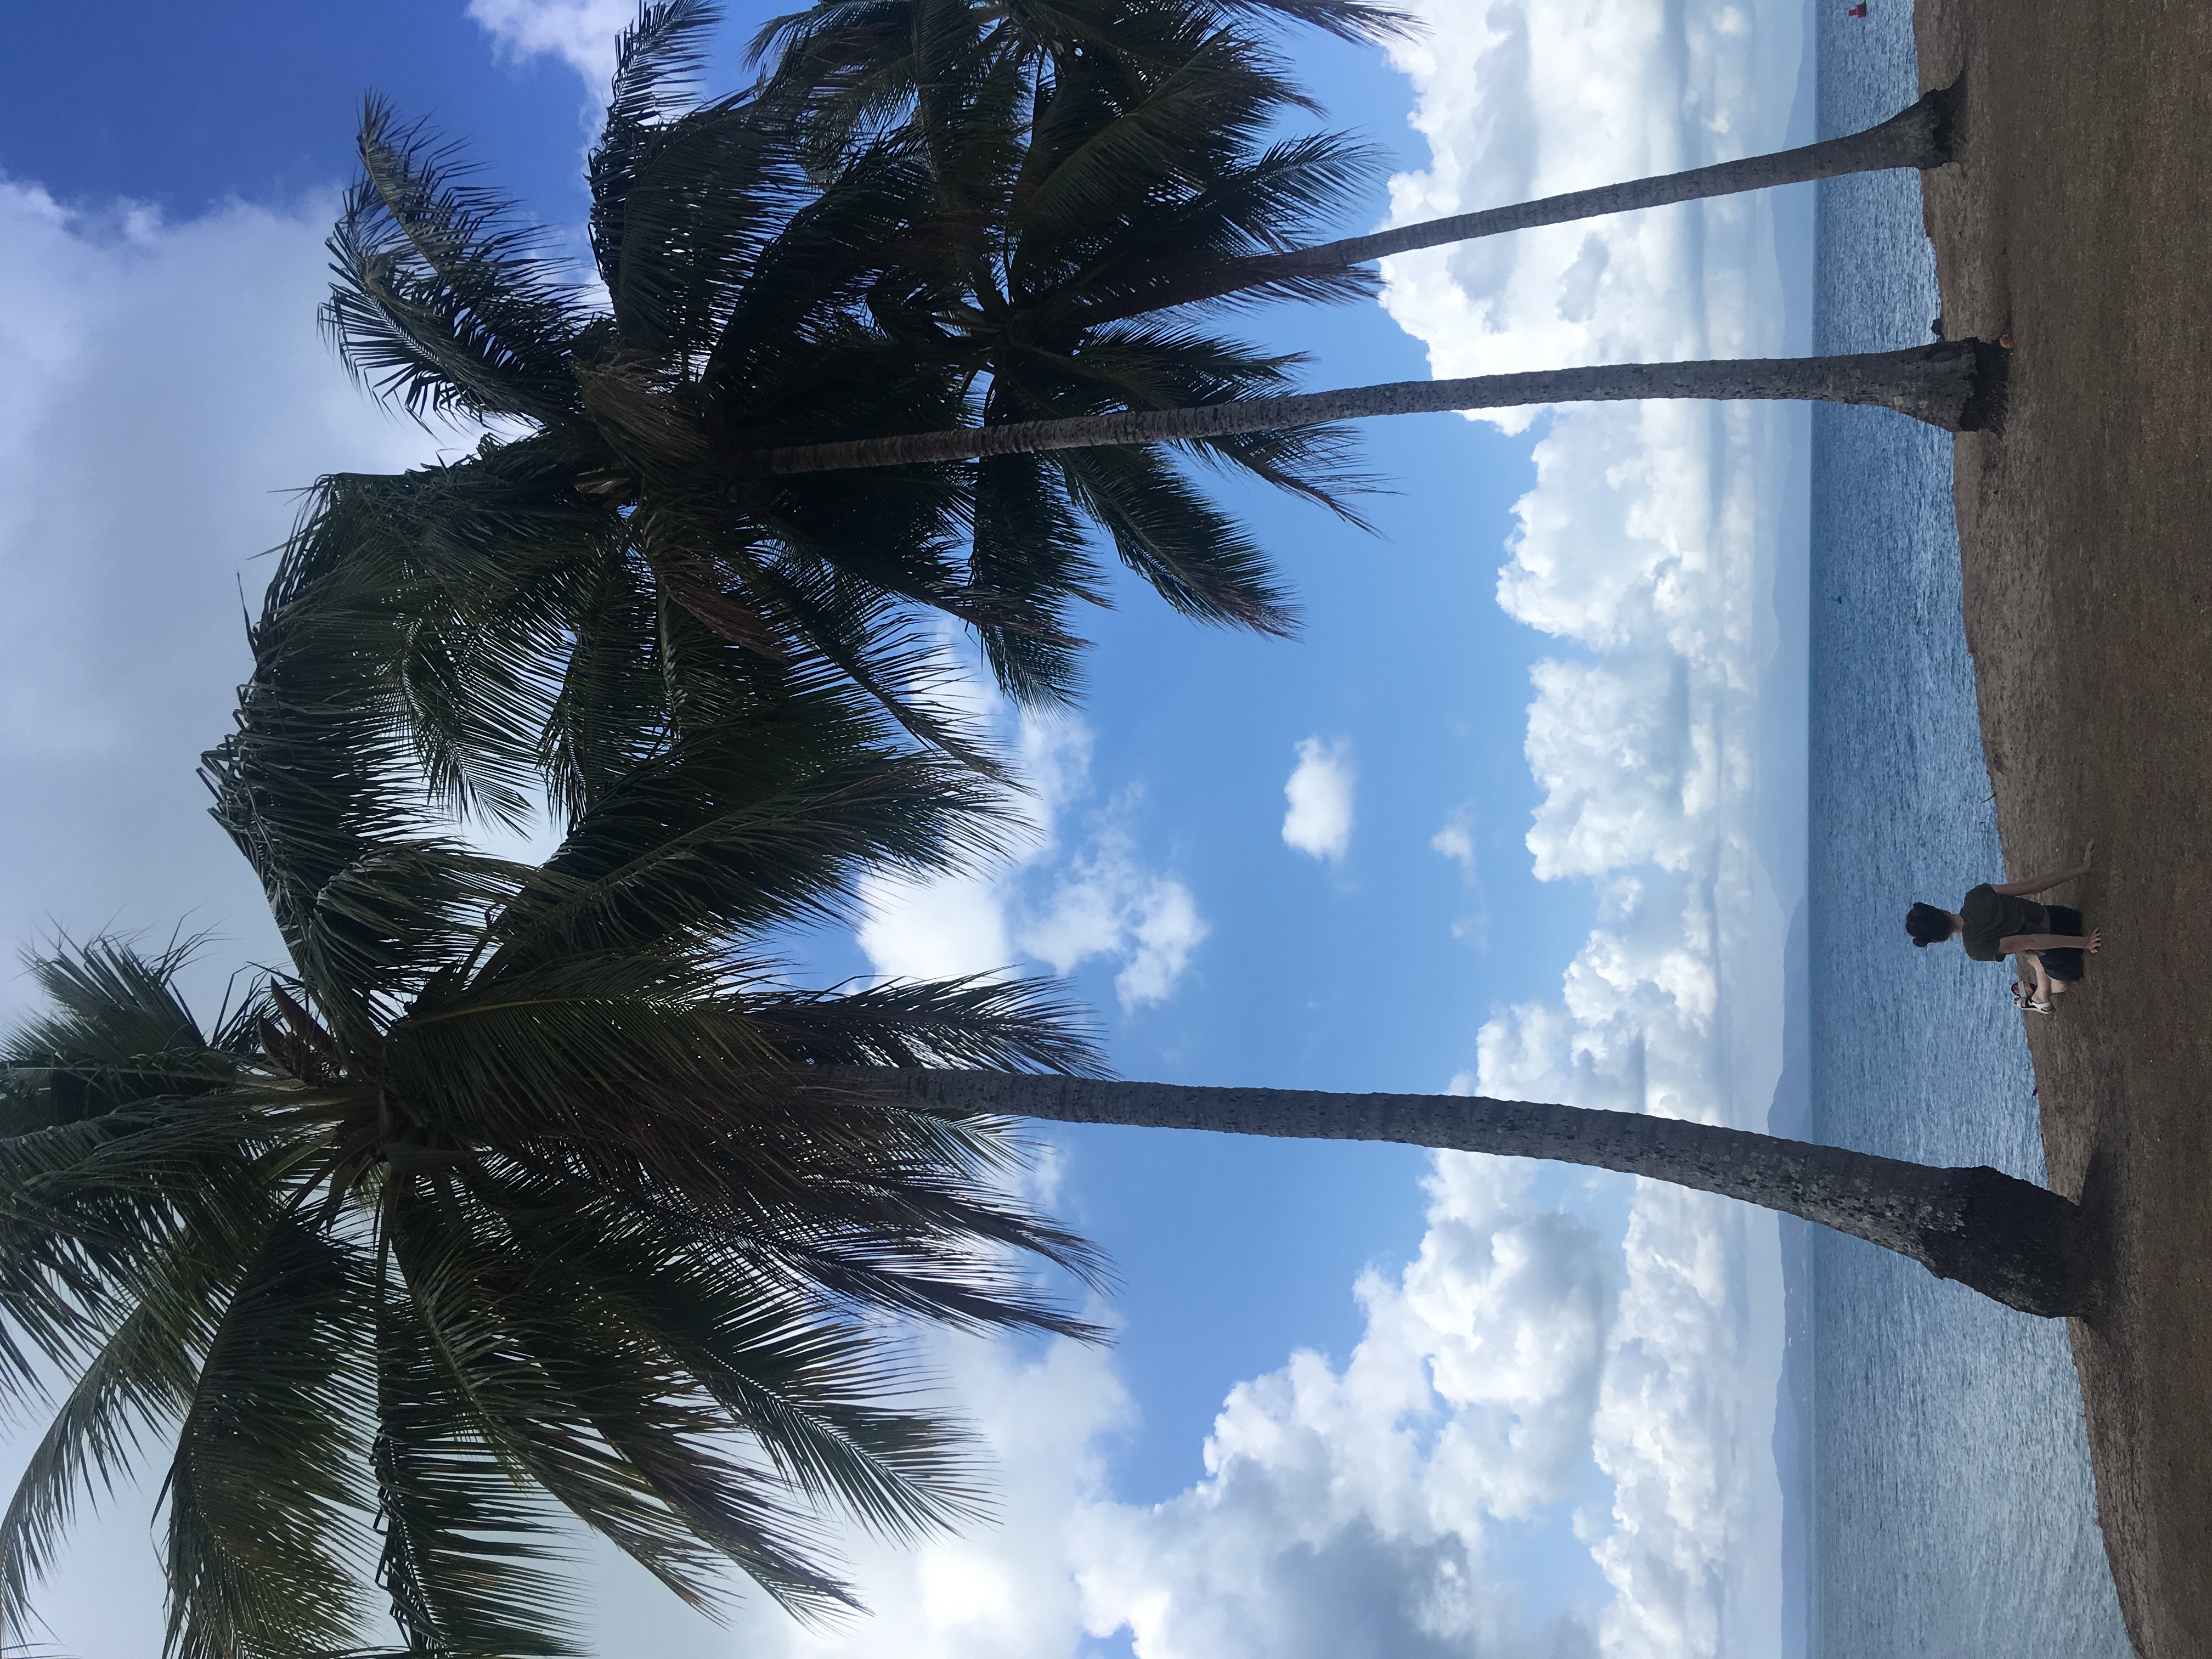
444 300
266 1507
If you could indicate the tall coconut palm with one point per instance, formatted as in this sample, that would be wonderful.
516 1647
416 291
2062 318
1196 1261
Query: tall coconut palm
1110 158
942 274
525 1190
2018 1243
1957 384
859 68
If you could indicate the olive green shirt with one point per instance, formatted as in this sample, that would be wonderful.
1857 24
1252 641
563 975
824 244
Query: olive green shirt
1992 917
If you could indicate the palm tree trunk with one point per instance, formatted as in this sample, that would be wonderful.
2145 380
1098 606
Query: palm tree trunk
1958 385
1917 137
2021 1244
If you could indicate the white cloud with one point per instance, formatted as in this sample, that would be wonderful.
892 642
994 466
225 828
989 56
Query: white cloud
581 33
1109 904
163 392
1455 841
1320 791
1647 541
1046 902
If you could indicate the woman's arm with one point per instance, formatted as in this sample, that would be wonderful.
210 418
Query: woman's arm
2011 943
2049 878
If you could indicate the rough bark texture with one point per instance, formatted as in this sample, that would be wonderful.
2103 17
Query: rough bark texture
1958 385
2006 1238
2079 221
1918 138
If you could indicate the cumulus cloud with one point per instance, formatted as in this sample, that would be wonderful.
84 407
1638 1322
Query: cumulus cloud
1108 904
581 33
1059 903
163 392
1320 791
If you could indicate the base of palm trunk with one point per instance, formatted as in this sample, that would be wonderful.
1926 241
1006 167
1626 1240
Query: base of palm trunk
2019 1244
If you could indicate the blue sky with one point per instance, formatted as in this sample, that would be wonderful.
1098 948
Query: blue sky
1513 814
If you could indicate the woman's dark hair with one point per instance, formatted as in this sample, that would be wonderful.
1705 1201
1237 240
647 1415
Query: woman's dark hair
1928 925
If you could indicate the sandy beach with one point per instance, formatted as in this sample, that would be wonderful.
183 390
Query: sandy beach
2077 221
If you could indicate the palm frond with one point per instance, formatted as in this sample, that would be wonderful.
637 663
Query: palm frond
140 1382
735 832
267 1510
119 1034
93 1212
1196 557
444 300
603 1428
465 1561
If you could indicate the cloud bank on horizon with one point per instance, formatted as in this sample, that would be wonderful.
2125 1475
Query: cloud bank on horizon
1645 547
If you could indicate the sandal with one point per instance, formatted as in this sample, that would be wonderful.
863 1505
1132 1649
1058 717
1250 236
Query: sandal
2021 1000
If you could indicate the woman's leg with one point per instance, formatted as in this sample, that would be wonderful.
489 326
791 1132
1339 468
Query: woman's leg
2045 986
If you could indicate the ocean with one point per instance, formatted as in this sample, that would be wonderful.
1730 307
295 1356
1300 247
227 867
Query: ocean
1950 1509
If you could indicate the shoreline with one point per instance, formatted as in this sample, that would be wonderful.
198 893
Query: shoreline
2077 221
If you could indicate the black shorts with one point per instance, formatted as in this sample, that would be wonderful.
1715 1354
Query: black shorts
2063 964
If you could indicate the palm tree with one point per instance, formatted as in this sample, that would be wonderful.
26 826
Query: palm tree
853 70
1918 137
1957 384
1109 156
748 304
526 1189
2018 1243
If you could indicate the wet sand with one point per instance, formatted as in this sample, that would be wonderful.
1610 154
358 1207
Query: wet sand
2078 221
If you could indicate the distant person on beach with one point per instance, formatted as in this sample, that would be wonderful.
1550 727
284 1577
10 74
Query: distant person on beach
1998 921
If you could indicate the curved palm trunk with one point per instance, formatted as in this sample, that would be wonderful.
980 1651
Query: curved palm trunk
2021 1244
1958 385
1917 137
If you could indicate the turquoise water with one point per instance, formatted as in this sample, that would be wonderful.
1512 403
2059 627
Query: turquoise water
1951 1507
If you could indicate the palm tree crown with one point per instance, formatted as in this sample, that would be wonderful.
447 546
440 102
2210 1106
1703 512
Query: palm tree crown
527 1189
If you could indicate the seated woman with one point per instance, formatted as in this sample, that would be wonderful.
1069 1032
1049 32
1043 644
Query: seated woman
1998 921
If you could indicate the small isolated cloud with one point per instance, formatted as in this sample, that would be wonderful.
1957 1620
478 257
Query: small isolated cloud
1109 904
1320 791
582 33
1455 841
1059 905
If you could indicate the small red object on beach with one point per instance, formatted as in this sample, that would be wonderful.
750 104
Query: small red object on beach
1859 11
